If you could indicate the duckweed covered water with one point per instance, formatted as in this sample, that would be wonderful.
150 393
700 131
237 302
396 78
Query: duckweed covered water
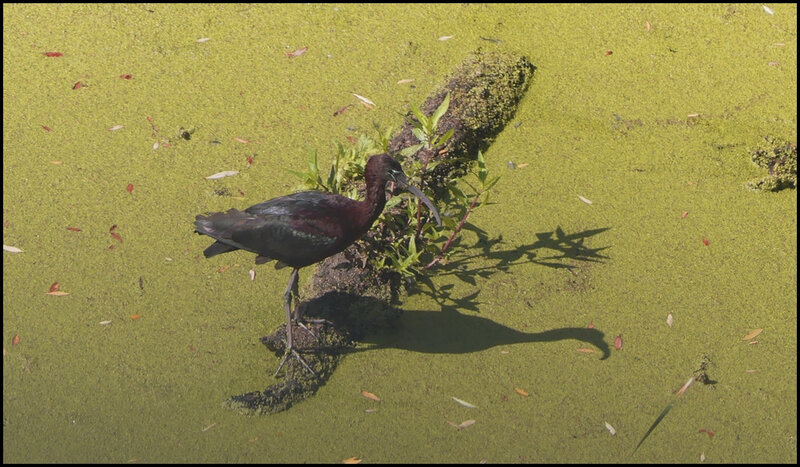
659 127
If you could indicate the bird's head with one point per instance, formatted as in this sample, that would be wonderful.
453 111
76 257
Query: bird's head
391 171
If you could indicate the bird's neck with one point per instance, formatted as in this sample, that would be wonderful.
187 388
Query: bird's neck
376 198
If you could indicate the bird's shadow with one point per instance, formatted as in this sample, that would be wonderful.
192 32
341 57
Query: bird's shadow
428 331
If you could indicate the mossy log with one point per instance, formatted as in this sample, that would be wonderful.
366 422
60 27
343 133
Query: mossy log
346 296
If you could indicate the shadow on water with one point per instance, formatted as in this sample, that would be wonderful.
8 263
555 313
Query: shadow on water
553 249
448 330
451 332
338 319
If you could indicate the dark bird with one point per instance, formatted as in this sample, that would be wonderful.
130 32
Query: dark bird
304 228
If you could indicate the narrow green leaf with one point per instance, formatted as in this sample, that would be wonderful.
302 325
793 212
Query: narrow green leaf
440 111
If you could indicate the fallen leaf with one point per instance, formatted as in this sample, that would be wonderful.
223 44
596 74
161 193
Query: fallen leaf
105 323
352 460
647 26
364 99
117 236
587 201
53 54
58 293
78 85
444 38
521 392
752 334
702 457
11 249
685 386
590 326
618 342
15 339
669 320
129 188
466 424
370 395
241 140
768 10
126 76
74 229
204 39
224 268
47 128
684 214
705 242
342 109
297 52
608 52
585 350
752 343
115 128
610 429
405 81
226 173
56 162
252 274
54 287
708 432
464 403
113 228
136 316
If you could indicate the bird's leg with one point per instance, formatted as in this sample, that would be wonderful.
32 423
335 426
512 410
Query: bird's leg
287 303
298 316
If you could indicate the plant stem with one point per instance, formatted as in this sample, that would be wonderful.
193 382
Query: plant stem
455 232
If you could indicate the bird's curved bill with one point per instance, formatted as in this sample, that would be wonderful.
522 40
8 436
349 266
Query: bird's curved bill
416 192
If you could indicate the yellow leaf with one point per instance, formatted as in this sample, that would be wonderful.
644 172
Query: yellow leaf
58 293
752 334
585 350
521 392
352 460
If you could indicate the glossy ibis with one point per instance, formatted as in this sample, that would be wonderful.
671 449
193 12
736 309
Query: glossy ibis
304 228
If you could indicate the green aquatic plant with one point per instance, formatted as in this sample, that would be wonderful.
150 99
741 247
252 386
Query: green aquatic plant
402 242
426 128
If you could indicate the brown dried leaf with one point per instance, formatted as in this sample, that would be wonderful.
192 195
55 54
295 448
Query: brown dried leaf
58 293
352 460
370 395
585 350
752 334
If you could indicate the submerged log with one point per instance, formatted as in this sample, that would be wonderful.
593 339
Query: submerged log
345 291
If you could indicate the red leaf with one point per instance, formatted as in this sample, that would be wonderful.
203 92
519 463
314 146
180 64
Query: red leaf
129 188
54 287
53 54
608 52
618 342
15 339
74 229
249 160
125 76
117 236
47 128
112 228
78 85
705 242
684 214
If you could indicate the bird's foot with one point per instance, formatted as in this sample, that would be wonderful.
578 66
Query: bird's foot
292 352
